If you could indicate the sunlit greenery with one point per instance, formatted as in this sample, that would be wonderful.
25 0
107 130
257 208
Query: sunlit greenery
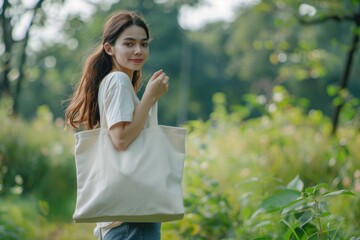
238 173
277 175
256 95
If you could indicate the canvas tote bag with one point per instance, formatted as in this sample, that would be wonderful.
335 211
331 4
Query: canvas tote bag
140 184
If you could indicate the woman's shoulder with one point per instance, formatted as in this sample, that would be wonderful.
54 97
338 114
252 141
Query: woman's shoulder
118 75
116 79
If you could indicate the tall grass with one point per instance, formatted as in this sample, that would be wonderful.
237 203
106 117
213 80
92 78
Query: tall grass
234 164
277 176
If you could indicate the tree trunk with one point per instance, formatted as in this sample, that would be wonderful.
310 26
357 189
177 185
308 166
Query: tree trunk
8 42
346 74
22 62
344 80
182 113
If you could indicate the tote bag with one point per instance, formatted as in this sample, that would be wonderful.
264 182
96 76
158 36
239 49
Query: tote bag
140 184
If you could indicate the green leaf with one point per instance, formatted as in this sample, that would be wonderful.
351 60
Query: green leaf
312 190
263 238
296 205
251 99
324 214
296 184
305 218
332 90
338 101
279 200
291 228
337 193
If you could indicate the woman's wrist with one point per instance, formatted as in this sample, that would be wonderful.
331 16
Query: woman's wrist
149 98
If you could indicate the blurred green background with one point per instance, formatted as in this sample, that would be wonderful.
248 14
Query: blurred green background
269 95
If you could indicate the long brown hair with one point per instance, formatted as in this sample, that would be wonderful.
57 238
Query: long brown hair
83 107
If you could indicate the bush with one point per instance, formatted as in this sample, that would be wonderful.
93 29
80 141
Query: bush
234 164
277 176
22 218
36 159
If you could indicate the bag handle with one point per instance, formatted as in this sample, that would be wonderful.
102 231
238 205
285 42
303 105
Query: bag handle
102 118
154 115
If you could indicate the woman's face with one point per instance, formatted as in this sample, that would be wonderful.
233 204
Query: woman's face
130 50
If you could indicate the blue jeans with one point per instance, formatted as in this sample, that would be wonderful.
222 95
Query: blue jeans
135 231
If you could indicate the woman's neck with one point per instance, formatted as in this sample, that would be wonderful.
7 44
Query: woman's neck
128 72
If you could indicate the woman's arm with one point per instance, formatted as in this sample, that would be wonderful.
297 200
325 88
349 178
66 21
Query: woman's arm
123 133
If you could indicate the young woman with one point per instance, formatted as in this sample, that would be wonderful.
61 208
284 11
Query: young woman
106 95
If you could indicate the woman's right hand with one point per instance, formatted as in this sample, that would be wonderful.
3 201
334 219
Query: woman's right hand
157 86
123 133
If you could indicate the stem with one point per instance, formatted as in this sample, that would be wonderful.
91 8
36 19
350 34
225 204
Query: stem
321 235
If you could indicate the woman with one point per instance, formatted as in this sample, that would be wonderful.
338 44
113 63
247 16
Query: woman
106 95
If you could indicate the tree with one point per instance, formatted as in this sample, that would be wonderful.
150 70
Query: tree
14 56
52 85
269 46
352 16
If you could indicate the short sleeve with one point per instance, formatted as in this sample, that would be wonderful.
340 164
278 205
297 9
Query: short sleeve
119 102
119 106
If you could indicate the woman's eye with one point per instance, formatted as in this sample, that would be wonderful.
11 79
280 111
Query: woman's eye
145 44
129 44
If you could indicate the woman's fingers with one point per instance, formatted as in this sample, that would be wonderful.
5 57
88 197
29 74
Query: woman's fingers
156 75
163 79
158 84
166 82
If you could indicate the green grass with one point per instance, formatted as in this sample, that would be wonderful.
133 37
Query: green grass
259 178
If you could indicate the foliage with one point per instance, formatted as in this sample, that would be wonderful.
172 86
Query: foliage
264 46
8 230
14 43
34 154
304 212
22 219
235 182
243 165
263 166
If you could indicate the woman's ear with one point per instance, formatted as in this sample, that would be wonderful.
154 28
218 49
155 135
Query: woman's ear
108 49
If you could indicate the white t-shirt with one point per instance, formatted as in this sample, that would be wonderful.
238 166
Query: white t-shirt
117 101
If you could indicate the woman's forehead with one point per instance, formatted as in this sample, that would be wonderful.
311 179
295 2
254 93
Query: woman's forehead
134 32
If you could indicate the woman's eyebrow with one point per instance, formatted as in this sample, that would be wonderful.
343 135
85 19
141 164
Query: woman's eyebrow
134 39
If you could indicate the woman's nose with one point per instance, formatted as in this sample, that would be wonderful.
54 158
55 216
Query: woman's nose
138 49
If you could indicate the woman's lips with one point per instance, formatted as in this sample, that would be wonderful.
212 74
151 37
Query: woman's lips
137 60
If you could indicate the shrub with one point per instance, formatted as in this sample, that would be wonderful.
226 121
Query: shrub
234 164
36 159
235 177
